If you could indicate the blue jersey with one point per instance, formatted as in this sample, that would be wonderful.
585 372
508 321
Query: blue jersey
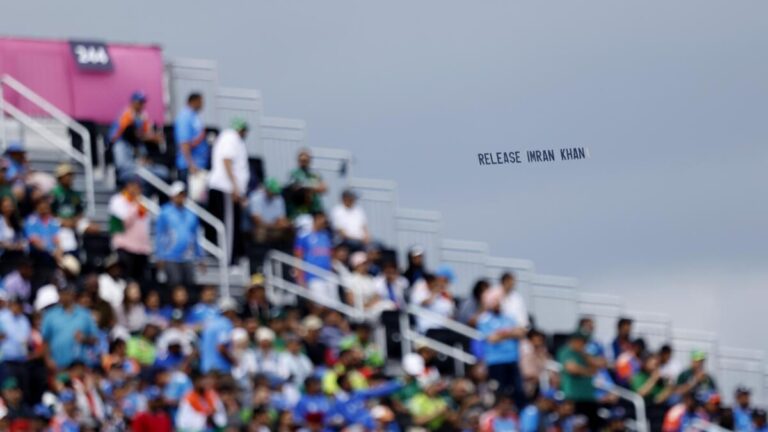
187 127
501 352
176 234
217 331
315 249
58 329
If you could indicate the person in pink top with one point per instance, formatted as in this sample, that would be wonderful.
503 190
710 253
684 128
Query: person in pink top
129 224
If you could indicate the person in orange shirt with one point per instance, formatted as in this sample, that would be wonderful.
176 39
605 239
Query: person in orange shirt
132 130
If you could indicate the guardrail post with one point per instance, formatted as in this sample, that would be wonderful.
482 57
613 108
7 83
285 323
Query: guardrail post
405 343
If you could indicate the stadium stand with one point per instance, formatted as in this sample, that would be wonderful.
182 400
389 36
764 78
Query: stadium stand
118 313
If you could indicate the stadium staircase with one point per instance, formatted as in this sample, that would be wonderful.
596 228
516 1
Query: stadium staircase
556 302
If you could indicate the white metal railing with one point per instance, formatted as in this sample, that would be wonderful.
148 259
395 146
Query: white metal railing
83 157
220 252
273 272
641 419
707 426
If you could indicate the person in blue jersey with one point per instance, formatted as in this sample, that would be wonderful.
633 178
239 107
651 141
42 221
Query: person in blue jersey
315 249
759 423
215 338
313 402
67 329
205 309
176 245
350 407
192 150
538 415
742 410
501 349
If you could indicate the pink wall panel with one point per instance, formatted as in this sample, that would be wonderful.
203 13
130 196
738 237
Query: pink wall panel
47 67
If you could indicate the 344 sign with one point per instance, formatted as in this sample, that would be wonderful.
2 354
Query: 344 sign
91 56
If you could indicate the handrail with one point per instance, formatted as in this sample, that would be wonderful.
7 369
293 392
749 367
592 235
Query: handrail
704 425
220 250
446 322
641 420
357 311
440 347
57 114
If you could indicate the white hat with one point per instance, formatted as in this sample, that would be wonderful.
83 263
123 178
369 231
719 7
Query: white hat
177 187
227 304
239 335
70 264
264 334
413 364
312 323
358 258
46 296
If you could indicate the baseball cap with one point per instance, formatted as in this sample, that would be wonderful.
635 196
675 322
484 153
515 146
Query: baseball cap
227 304
264 334
416 250
357 259
413 364
67 396
743 390
70 264
138 96
272 185
257 279
177 187
349 193
64 169
698 355
10 383
15 147
239 123
445 271
312 323
46 296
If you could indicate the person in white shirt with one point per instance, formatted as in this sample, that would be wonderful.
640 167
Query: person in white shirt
297 363
349 221
228 183
361 290
111 282
433 293
513 304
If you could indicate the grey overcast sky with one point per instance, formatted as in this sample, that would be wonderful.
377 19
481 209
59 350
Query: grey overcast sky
671 97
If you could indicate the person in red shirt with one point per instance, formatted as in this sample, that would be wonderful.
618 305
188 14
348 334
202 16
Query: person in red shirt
155 419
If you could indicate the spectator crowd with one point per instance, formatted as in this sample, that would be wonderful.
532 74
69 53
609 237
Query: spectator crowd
129 340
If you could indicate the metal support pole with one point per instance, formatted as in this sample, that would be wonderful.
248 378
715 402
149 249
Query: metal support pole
3 131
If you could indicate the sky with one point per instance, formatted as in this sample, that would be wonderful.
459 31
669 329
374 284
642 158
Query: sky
671 98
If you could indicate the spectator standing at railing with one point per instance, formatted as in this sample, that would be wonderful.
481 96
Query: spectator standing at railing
192 149
579 369
501 351
129 226
176 246
315 249
129 133
228 183
349 221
